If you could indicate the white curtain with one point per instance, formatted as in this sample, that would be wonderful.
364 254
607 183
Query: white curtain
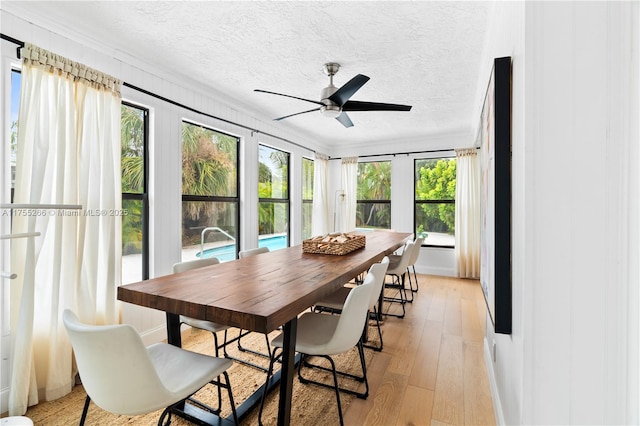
320 215
468 187
68 153
349 185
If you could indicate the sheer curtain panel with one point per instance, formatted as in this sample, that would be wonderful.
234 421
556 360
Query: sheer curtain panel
68 153
468 194
320 215
349 185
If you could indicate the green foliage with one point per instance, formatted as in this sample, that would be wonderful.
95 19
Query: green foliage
436 181
374 183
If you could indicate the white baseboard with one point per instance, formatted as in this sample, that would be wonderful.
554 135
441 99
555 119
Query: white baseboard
154 335
495 397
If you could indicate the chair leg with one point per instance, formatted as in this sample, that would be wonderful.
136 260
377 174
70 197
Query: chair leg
377 318
240 360
401 294
337 389
416 278
87 401
233 404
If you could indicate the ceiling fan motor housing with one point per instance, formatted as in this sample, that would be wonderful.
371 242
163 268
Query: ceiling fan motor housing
331 109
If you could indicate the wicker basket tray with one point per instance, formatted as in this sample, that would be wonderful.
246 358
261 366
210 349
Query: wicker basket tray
336 244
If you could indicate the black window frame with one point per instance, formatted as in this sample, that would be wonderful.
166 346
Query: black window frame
216 198
287 200
377 201
144 196
417 202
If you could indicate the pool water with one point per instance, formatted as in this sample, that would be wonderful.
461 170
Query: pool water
228 252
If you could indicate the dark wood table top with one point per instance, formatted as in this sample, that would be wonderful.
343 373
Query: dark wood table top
259 293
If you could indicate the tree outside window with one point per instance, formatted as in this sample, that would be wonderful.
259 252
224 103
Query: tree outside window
435 191
373 208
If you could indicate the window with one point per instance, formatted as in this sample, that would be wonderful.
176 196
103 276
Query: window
16 82
373 208
307 197
210 200
435 208
135 236
273 194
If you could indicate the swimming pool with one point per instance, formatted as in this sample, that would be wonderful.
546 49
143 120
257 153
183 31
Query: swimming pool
228 252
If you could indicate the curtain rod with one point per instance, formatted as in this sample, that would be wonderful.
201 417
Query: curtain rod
178 104
399 153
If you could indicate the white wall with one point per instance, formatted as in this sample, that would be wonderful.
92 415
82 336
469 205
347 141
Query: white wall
573 355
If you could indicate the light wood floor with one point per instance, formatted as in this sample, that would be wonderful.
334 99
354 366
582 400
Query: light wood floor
432 369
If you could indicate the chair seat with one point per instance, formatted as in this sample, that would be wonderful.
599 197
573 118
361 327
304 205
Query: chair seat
170 362
203 324
16 421
335 300
315 331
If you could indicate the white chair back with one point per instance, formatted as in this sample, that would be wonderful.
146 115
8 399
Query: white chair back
401 267
115 367
253 252
193 264
416 251
352 320
377 271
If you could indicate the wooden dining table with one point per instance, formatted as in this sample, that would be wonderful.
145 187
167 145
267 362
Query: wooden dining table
258 293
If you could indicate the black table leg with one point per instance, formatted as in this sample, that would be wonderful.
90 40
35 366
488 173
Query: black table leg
173 330
288 371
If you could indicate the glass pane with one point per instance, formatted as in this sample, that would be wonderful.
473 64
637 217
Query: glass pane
373 215
307 213
132 149
131 241
273 173
273 220
209 229
435 179
307 179
436 223
209 162
16 80
374 181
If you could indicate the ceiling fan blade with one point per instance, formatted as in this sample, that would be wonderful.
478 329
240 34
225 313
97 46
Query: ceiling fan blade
289 96
342 95
374 106
297 113
345 120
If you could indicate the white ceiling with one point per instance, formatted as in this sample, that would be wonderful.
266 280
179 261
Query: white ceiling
424 54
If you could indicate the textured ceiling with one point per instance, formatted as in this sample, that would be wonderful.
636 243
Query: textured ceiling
424 54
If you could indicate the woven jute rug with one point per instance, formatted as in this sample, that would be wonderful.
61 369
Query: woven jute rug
311 404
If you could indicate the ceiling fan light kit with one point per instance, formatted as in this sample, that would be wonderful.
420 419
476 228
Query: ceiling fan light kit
335 102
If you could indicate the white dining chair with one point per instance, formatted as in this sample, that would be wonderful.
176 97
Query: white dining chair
335 301
121 376
323 335
412 264
398 271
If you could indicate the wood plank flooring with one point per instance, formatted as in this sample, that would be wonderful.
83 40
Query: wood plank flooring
432 369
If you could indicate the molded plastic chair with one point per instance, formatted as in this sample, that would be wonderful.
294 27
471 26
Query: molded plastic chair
412 263
122 376
398 270
324 335
335 301
198 323
16 421
253 252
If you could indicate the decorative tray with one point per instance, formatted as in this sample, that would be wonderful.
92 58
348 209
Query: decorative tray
336 244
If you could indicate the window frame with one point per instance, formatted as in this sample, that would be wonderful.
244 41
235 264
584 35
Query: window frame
417 202
216 198
377 201
144 196
287 200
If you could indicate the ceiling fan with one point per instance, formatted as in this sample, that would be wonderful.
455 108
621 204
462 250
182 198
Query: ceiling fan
334 102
